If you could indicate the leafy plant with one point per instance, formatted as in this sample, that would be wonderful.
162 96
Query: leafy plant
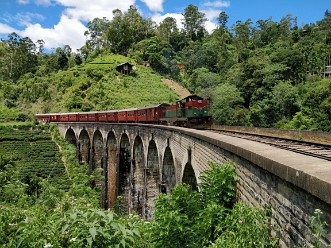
175 219
318 226
218 184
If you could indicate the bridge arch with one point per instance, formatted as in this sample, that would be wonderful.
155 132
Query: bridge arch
110 169
124 170
97 150
84 147
152 178
168 171
138 176
189 176
70 136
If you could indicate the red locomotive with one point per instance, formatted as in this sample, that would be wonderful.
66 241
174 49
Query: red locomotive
191 111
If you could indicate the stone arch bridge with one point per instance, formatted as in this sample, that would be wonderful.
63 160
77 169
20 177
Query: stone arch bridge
139 161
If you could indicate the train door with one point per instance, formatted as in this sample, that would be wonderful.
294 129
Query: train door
180 109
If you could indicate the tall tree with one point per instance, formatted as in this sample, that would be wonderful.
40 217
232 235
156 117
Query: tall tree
222 20
128 29
243 33
168 29
194 22
96 33
21 56
62 58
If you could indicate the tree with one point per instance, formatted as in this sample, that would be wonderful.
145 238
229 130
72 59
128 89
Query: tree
222 20
67 50
198 55
20 57
96 33
241 40
166 29
40 46
284 101
159 54
78 59
194 22
62 59
226 102
292 60
202 78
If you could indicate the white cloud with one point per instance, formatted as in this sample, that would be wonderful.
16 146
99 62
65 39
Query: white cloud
5 29
23 19
154 5
22 1
210 26
217 4
211 14
43 2
86 10
70 29
67 32
159 18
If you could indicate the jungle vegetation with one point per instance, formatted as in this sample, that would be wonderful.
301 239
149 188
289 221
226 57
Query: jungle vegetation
267 74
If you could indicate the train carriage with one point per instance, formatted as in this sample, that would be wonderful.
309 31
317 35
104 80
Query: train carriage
151 114
112 115
121 117
92 116
55 117
73 117
64 117
44 117
102 116
131 115
142 115
82 117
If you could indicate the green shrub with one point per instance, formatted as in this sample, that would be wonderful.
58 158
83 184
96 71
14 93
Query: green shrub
208 218
245 226
218 184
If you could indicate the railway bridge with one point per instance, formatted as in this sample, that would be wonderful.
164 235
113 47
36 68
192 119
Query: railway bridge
139 161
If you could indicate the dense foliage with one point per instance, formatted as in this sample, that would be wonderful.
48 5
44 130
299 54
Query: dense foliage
39 213
209 218
268 74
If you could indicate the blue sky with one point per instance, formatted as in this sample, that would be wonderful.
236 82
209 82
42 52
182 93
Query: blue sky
62 22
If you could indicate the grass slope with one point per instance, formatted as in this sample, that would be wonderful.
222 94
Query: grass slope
95 85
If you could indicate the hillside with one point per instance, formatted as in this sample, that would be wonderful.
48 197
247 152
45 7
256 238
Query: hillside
180 90
95 85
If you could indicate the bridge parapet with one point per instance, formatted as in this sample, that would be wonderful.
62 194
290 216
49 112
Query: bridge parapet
291 184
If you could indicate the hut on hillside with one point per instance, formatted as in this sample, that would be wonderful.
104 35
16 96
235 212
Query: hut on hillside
124 68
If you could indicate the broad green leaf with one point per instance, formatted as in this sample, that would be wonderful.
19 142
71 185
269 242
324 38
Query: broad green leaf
93 232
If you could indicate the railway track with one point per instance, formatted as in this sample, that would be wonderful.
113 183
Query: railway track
313 149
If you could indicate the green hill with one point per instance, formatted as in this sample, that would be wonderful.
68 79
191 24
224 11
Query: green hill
95 85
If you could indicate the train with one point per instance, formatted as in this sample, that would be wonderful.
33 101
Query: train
191 111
